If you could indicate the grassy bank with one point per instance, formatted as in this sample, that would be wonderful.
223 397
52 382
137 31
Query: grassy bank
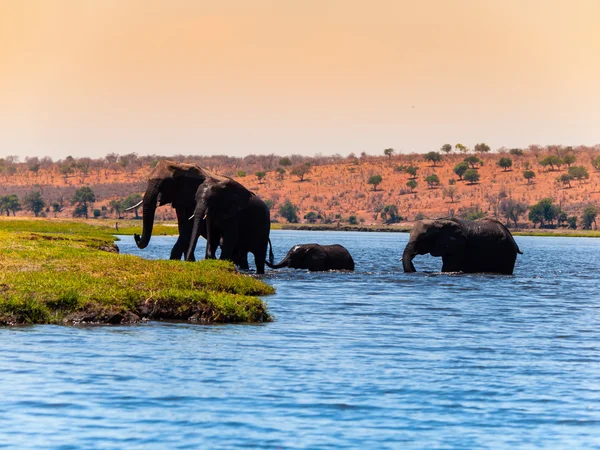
69 272
335 227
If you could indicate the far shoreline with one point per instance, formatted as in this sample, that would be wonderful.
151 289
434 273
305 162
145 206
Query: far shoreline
405 228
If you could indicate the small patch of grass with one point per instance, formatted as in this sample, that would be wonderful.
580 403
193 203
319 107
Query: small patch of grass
58 273
557 233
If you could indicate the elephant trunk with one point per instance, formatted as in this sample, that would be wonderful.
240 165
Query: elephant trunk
284 263
150 201
407 257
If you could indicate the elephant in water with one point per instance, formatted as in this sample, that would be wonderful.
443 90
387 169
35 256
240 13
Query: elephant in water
233 218
315 257
469 246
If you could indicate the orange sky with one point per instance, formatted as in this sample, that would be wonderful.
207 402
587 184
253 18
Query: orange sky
89 77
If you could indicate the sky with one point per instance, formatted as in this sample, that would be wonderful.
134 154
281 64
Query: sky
235 77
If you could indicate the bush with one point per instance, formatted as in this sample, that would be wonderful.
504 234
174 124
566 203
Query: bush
505 163
433 157
289 211
460 169
432 181
241 173
97 213
375 180
528 175
472 176
352 220
311 217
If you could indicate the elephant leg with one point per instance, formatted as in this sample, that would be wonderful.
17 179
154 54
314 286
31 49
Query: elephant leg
212 239
241 260
230 240
259 260
184 226
450 263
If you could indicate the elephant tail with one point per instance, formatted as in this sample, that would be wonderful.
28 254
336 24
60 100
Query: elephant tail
271 257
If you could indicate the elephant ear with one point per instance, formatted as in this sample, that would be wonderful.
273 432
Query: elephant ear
221 199
449 238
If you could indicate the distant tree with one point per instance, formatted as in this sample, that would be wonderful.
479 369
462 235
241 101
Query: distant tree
596 162
516 152
390 215
572 221
446 148
412 185
412 171
473 161
569 159
461 148
260 175
512 210
241 173
82 198
97 213
34 202
471 213
10 203
544 211
269 203
352 220
311 217
433 157
460 169
472 176
566 179
450 192
285 161
56 208
375 180
432 181
528 175
482 148
300 171
451 181
580 173
131 200
116 206
551 160
589 217
389 152
289 211
280 173
505 163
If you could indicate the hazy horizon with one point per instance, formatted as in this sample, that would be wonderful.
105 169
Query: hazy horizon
182 77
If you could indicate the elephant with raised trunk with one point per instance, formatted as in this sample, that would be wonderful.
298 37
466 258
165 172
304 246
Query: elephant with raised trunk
468 246
235 219
315 257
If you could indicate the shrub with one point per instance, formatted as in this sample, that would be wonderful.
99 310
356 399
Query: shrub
352 220
241 173
375 180
432 181
433 157
289 211
472 176
528 175
460 169
505 163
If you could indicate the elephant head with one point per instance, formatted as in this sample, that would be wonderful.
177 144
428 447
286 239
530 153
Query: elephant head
440 237
169 182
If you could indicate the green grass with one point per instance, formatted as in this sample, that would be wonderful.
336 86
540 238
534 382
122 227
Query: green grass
64 272
561 232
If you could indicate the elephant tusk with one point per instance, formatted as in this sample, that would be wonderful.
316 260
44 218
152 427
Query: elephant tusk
192 216
135 206
204 218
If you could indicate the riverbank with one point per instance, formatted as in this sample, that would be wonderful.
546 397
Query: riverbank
67 272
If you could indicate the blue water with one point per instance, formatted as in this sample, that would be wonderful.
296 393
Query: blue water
371 359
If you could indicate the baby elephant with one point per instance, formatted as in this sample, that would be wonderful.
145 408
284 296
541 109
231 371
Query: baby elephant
315 257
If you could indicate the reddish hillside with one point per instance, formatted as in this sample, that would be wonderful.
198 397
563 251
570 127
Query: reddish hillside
337 188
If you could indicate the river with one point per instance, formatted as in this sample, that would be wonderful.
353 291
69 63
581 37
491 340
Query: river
371 359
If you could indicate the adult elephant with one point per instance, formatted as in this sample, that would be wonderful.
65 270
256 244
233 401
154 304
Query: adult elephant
315 257
467 246
177 184
234 218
